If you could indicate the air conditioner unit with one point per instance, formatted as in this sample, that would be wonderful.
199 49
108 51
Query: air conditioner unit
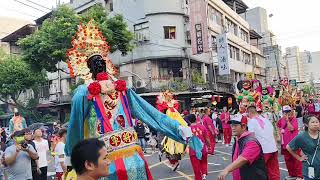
53 98
140 84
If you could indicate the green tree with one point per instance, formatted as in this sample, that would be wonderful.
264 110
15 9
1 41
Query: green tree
197 78
47 46
16 76
308 90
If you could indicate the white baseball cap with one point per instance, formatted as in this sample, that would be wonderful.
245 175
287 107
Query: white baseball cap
238 119
286 108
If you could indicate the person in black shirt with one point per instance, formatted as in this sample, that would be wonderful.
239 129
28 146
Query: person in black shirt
141 134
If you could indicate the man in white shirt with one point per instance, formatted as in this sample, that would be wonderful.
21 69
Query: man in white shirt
42 148
264 132
59 154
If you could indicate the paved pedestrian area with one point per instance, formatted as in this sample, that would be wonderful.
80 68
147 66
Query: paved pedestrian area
162 170
216 163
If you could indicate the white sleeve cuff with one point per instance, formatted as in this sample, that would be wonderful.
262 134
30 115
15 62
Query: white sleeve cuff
67 161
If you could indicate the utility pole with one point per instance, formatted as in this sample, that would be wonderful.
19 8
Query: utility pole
189 66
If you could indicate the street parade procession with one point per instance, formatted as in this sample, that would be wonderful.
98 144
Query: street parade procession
141 90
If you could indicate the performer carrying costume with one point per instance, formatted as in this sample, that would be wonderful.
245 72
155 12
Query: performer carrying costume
173 149
17 122
103 107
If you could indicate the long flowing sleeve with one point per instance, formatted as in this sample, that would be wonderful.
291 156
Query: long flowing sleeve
80 110
153 118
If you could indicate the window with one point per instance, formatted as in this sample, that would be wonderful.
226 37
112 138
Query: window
169 69
246 58
234 52
214 15
231 27
244 35
142 32
169 32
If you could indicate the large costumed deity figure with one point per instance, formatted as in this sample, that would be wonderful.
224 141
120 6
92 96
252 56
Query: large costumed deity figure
167 104
17 122
245 96
103 107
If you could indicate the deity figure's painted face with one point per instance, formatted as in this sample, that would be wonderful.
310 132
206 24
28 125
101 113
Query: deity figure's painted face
96 65
120 121
246 85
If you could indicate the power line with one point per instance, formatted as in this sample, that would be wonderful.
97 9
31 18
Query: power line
30 6
23 13
38 5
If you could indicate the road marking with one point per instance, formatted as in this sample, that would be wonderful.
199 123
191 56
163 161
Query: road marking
157 164
179 172
191 175
283 169
214 164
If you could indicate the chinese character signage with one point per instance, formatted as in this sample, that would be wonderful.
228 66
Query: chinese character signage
199 27
199 38
250 76
222 49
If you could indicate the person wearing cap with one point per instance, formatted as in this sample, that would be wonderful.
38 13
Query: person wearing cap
289 129
263 130
247 155
18 157
17 122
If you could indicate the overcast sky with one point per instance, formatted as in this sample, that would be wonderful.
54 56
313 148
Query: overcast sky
295 22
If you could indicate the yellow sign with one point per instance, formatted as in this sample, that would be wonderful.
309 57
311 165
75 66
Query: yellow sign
250 76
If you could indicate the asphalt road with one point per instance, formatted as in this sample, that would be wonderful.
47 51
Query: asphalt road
216 163
162 170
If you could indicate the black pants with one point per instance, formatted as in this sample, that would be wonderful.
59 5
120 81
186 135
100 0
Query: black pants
42 176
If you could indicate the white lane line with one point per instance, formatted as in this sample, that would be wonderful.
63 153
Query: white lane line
179 172
214 164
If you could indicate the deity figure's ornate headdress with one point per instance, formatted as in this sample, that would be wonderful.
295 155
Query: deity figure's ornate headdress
166 100
87 43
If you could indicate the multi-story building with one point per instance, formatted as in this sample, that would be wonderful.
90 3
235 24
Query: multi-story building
163 32
258 20
306 62
315 59
162 55
224 18
294 64
163 58
302 66
9 25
